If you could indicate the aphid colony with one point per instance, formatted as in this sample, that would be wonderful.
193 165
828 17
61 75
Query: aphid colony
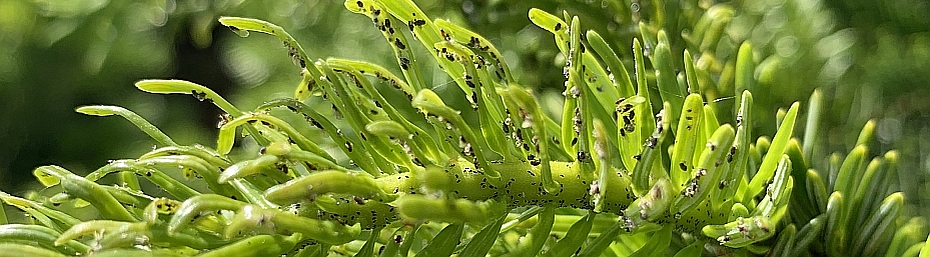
607 153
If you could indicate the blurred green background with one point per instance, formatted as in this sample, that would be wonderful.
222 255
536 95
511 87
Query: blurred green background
870 58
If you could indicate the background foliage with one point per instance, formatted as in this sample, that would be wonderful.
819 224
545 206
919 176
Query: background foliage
871 58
